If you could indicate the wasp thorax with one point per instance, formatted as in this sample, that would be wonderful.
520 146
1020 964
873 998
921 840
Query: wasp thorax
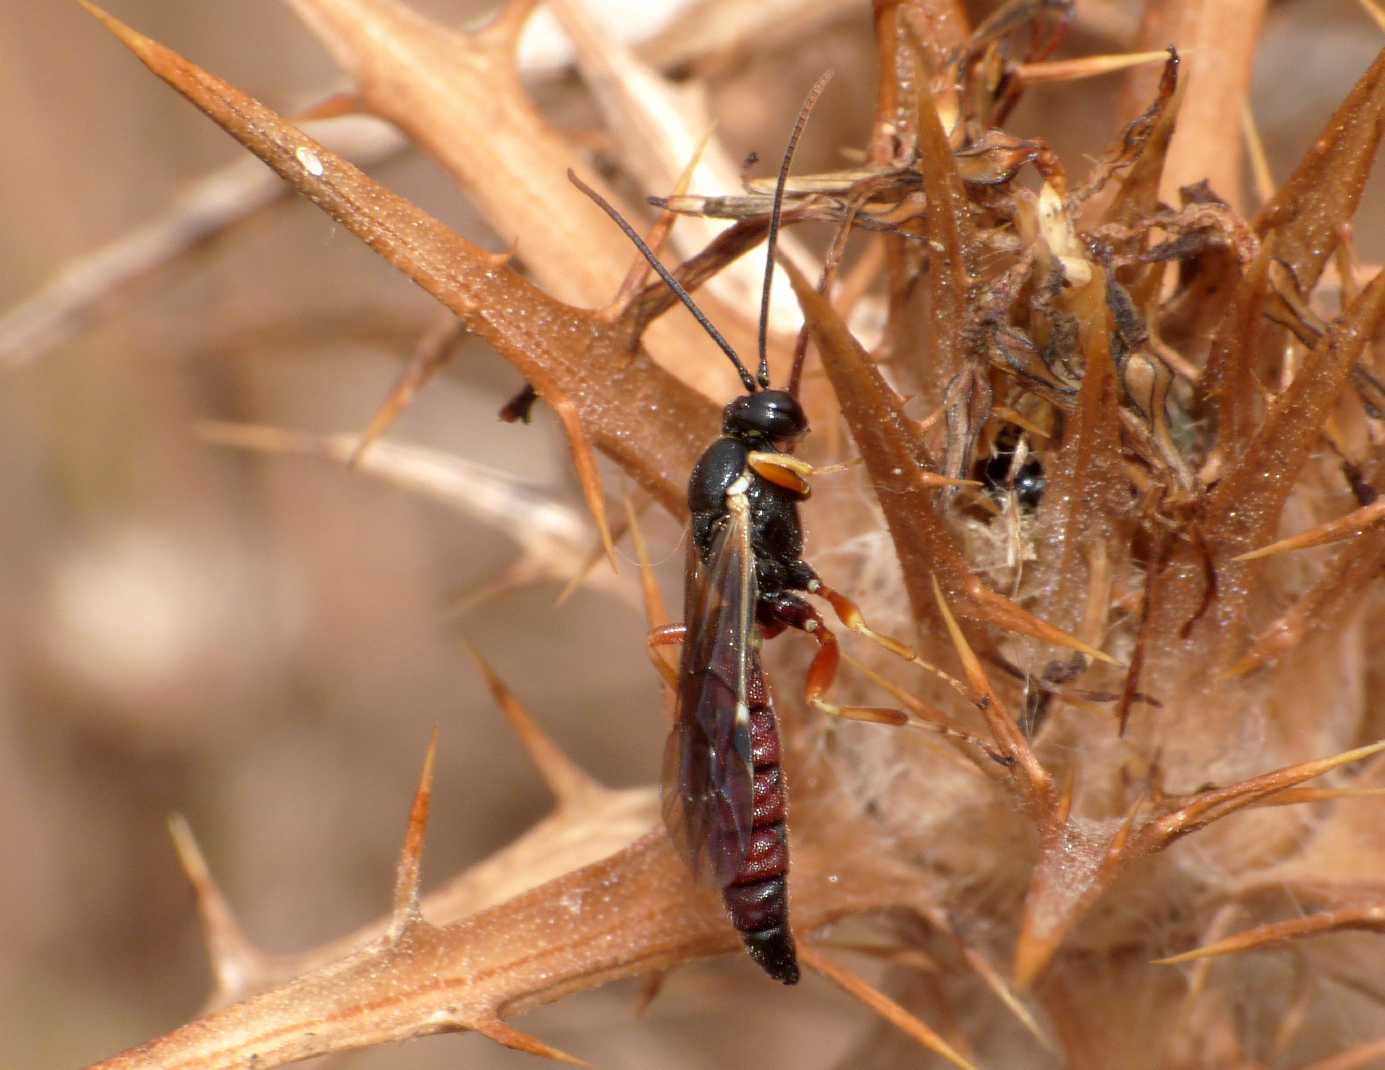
771 414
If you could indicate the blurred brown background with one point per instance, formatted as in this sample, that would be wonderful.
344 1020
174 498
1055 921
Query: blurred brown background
262 643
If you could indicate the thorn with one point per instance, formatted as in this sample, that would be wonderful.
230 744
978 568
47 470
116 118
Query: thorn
1259 159
658 233
135 41
1295 796
1013 416
1372 9
983 969
512 1038
1004 730
888 1009
234 959
655 611
1218 803
583 573
548 537
1002 612
1116 848
504 31
1353 523
896 954
335 106
1065 795
503 259
433 351
587 472
570 785
1033 953
1297 1014
524 570
1369 918
979 684
579 578
1216 929
650 987
926 717
1361 1057
1072 70
406 880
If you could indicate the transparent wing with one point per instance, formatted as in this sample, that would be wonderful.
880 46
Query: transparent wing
708 776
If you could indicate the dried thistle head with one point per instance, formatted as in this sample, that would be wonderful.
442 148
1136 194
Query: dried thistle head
1194 376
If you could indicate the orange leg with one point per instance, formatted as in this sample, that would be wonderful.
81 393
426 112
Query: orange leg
790 611
666 635
849 613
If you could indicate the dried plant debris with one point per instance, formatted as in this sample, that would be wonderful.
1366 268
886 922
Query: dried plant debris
1084 416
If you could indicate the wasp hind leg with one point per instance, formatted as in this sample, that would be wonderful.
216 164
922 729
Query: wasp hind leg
849 613
786 610
789 611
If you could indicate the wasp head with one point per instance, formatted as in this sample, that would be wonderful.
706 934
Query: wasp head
773 415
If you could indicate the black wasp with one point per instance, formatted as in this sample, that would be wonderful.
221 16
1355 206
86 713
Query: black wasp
724 792
1013 468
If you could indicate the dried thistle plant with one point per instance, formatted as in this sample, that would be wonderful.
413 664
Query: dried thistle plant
1197 379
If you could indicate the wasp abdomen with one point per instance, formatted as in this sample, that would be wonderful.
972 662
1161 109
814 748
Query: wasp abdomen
758 896
764 740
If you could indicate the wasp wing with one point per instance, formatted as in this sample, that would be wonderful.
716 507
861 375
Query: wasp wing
708 776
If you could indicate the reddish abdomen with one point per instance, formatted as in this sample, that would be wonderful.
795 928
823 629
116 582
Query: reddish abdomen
758 895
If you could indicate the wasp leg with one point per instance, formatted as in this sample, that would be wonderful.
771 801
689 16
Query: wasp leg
849 613
665 635
783 470
789 611
786 610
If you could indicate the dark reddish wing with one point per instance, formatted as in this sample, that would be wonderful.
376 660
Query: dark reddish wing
709 793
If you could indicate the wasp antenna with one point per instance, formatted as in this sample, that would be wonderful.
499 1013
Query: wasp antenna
669 281
777 211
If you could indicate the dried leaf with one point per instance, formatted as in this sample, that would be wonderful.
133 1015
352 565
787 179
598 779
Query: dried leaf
1228 381
896 459
950 243
1245 506
1321 195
